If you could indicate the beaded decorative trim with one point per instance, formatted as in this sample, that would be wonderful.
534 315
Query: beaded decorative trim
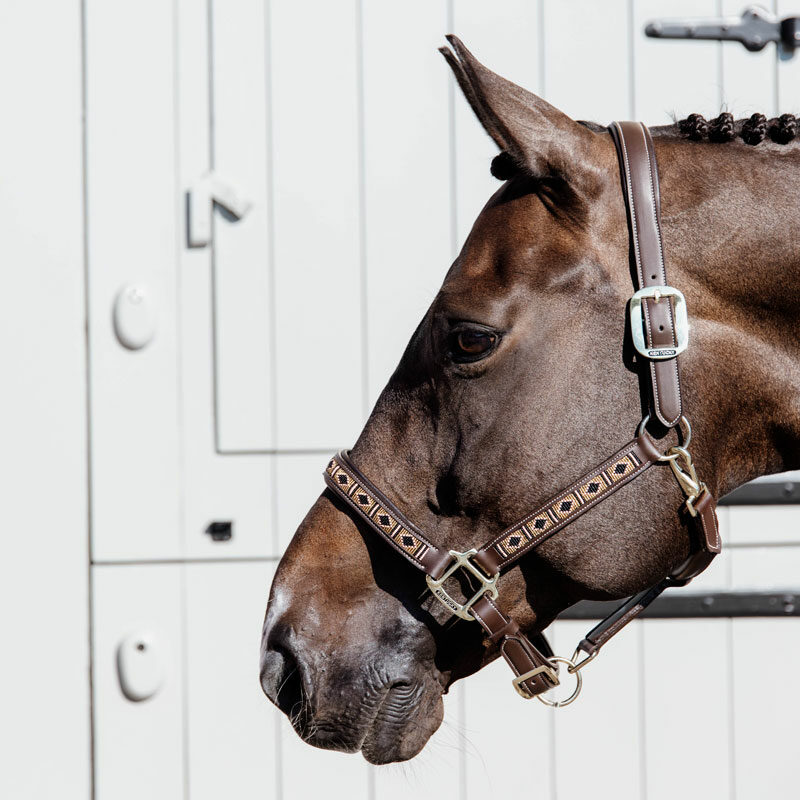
361 498
566 505
509 545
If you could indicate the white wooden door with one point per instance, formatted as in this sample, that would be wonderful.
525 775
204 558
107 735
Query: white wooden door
363 168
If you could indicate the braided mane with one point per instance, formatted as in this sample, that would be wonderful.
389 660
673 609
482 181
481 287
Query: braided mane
752 130
723 128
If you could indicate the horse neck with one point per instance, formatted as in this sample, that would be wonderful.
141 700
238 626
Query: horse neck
730 223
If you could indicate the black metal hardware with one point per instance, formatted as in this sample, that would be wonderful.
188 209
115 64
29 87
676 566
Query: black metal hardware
699 606
764 493
755 29
220 531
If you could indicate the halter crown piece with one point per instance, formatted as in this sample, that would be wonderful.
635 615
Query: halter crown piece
659 331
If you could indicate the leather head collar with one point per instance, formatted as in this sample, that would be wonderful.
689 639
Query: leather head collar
660 333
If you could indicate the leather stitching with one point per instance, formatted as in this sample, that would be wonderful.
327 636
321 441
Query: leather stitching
620 623
639 269
663 269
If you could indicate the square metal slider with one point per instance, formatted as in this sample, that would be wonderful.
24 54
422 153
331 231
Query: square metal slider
462 561
681 318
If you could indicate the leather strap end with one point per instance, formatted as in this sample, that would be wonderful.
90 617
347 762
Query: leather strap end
524 659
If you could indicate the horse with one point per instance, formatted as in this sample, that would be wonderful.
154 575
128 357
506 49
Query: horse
519 376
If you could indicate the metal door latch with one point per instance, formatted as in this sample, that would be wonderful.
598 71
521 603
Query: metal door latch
755 30
208 191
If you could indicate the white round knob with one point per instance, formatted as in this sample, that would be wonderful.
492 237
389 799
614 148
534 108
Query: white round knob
134 317
140 666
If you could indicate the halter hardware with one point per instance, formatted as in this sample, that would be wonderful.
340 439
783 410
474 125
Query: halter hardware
547 669
686 475
681 319
572 669
462 561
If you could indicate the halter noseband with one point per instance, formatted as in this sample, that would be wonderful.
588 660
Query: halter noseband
659 329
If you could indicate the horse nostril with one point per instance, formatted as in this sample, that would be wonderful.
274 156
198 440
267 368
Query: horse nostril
281 677
289 694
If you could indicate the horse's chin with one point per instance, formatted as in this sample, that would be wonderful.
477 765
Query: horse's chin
399 732
395 728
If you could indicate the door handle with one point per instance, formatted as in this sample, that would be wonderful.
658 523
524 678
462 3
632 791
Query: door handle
210 190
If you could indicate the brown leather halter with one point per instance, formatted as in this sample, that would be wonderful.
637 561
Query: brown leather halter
659 331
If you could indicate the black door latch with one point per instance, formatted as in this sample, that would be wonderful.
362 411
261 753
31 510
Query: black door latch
220 530
755 30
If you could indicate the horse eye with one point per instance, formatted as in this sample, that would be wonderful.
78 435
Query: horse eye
471 344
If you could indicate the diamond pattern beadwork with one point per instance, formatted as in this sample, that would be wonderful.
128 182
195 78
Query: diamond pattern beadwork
565 506
407 541
593 488
515 540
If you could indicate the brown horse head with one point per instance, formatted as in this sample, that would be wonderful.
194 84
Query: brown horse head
518 379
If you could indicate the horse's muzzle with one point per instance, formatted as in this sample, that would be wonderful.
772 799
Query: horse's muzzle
367 704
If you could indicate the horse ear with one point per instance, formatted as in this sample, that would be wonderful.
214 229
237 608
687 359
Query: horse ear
541 140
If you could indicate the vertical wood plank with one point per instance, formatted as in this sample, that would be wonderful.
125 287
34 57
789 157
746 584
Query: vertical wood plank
242 279
498 725
611 698
138 746
132 235
587 58
688 715
674 77
317 236
232 727
44 684
407 173
687 712
216 487
765 732
504 35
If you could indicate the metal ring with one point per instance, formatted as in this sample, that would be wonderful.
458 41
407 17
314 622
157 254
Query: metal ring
685 438
578 684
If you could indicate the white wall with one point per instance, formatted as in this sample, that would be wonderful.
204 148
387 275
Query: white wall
335 120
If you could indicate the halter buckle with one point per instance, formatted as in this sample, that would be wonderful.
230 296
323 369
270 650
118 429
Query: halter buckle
548 669
462 561
551 673
680 317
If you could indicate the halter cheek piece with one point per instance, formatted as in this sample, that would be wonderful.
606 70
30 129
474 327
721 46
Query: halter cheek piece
659 331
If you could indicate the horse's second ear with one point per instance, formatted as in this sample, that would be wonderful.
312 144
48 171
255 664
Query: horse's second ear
541 140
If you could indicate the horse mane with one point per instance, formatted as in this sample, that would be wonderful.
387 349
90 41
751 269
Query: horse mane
723 128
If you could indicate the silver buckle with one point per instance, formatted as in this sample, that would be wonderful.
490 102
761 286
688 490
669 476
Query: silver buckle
462 561
519 681
681 318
